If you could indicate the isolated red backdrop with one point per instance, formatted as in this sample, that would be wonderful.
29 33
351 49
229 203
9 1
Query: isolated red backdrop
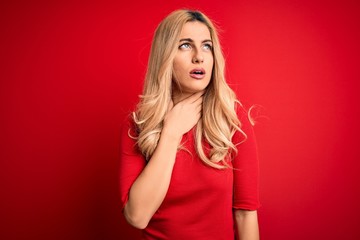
71 71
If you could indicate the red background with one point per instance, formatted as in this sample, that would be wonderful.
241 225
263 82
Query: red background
71 71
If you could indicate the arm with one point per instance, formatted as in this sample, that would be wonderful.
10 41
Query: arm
247 224
246 182
149 189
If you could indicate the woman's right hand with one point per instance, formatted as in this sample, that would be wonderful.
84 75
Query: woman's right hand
183 116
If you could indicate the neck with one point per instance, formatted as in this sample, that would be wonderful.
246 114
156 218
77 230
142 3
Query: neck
179 96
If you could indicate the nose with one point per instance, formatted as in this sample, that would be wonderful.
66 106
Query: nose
198 57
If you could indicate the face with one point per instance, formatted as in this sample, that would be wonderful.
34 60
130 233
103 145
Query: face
194 60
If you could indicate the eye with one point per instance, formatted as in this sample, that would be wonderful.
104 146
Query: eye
185 46
207 46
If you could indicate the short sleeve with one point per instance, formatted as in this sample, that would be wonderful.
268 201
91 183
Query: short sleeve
131 160
246 166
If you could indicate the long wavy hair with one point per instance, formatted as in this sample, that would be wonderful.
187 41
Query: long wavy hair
219 120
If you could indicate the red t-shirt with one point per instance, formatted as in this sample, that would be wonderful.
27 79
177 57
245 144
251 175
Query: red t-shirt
200 200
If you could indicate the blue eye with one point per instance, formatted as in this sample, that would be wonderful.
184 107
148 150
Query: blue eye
184 46
208 47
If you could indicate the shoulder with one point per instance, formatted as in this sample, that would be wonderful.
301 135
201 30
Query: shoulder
128 130
242 112
246 126
128 125
243 115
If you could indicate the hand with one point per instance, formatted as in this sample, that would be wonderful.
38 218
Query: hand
184 115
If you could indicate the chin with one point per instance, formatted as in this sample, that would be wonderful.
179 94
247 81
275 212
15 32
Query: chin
195 89
192 91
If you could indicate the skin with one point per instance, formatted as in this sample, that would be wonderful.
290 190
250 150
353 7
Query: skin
194 52
184 111
149 189
247 224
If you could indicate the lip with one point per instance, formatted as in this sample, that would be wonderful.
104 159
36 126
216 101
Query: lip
197 76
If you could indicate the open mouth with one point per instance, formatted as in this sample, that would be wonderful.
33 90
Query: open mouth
198 72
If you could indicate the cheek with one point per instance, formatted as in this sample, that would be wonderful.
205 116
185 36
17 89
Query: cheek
176 65
179 64
211 65
178 71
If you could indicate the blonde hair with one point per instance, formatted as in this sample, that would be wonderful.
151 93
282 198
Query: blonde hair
219 119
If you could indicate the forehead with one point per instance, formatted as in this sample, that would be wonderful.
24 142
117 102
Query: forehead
195 30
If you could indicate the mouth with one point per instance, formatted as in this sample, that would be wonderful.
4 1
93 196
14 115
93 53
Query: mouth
197 73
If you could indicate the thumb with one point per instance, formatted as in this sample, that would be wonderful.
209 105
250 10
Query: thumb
171 105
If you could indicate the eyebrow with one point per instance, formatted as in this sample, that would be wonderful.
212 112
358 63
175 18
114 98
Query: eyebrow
190 40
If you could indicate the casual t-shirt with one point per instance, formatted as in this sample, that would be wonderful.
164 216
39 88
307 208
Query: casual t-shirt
200 200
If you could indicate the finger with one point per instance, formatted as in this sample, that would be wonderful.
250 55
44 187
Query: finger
199 95
198 108
198 101
194 96
171 105
198 116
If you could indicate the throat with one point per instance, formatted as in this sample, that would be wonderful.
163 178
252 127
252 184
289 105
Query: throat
179 96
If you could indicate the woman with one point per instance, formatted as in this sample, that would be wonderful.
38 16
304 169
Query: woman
188 167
